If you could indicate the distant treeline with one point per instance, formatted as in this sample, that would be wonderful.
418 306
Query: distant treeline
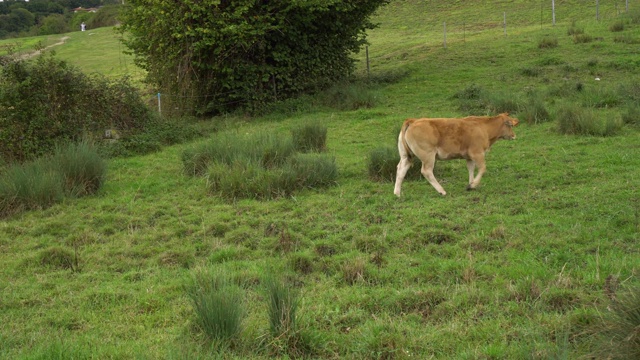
43 17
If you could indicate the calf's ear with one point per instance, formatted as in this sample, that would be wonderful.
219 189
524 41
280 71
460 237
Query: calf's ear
511 122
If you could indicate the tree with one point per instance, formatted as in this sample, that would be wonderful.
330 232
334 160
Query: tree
224 54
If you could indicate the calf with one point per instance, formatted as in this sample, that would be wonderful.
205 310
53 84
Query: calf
455 138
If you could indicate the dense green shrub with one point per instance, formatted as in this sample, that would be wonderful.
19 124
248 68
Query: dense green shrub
245 54
309 137
48 102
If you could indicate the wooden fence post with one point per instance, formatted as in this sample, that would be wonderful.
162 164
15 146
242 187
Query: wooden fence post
445 34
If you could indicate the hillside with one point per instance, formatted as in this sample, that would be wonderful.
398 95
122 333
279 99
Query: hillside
525 267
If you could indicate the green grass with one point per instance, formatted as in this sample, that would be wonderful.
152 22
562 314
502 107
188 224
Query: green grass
520 268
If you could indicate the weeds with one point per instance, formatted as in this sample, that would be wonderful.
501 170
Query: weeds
616 26
83 170
582 38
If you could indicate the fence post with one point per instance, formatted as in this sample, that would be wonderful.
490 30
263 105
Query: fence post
504 23
159 107
367 52
597 10
445 34
553 11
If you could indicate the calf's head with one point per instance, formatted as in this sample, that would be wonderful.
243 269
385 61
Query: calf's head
506 131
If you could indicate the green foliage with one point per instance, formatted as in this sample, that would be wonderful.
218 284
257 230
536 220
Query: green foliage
58 257
632 114
47 102
349 96
226 55
576 120
53 24
218 305
310 137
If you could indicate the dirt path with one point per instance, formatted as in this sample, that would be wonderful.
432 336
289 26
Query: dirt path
29 55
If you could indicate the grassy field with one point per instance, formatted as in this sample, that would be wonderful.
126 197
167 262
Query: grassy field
525 267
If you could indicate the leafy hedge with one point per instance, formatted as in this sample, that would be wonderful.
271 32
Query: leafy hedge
47 102
222 55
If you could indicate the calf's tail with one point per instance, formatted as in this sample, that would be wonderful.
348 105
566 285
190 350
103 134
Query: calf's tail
403 140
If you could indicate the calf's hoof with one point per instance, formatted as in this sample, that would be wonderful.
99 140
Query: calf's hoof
469 188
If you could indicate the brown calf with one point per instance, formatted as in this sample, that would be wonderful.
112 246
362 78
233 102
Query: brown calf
466 138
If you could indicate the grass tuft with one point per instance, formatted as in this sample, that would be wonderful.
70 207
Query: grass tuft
217 304
616 26
619 335
33 185
576 120
548 42
282 307
82 169
311 137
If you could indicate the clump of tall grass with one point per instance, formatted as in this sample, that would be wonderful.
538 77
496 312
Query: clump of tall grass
82 169
631 116
29 186
349 96
582 38
248 179
574 29
267 149
218 305
282 305
548 42
74 170
616 26
534 110
382 165
474 100
576 120
619 335
626 39
309 137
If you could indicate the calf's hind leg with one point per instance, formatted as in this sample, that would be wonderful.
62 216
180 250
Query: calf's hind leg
427 171
401 171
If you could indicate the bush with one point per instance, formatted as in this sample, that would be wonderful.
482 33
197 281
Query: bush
309 137
48 102
580 121
217 305
382 164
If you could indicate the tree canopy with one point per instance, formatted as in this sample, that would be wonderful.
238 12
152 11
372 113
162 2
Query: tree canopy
218 55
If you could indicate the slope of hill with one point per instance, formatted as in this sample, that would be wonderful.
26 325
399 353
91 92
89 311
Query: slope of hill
523 268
